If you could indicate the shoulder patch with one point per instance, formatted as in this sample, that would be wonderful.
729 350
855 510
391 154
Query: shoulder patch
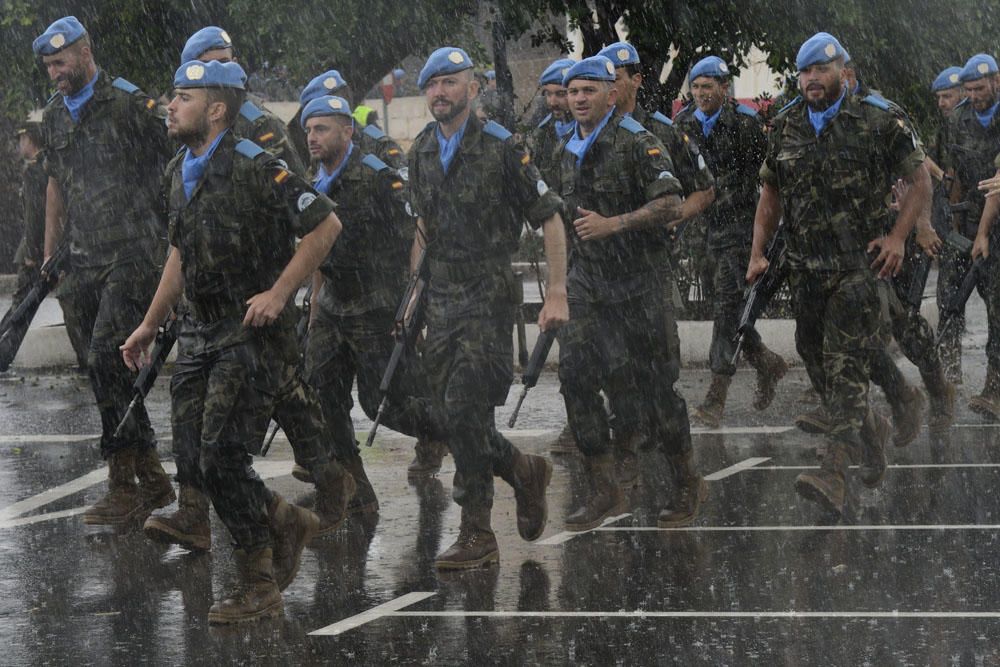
497 130
790 104
248 149
374 163
127 86
661 118
250 111
373 132
745 110
631 124
876 101
545 121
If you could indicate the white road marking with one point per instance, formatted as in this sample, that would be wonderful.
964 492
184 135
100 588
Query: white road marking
387 609
645 613
845 527
898 466
566 536
734 469
38 518
742 430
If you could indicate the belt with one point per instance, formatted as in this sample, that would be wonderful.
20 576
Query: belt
458 271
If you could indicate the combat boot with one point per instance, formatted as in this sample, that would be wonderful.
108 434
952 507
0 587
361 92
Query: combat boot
292 527
476 545
987 403
565 443
907 415
302 474
256 597
427 458
606 498
709 413
334 489
123 502
942 398
816 421
872 465
529 475
625 447
364 499
826 487
770 369
154 483
188 526
689 491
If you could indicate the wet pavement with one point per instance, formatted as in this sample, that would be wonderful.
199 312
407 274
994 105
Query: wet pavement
910 577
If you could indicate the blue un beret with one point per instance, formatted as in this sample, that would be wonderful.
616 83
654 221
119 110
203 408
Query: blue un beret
712 66
213 74
399 73
325 84
819 49
948 78
490 74
554 73
978 66
620 54
58 36
594 68
327 105
206 39
446 60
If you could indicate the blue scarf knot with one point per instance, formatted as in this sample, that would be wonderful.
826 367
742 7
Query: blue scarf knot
75 102
193 167
579 146
324 181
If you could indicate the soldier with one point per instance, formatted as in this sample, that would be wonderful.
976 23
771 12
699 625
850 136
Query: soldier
829 159
358 288
969 146
544 139
472 187
104 148
731 137
618 178
233 210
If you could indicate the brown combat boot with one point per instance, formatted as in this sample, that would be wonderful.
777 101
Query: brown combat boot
606 498
826 487
875 430
302 474
942 398
188 526
987 403
565 443
364 499
334 489
256 596
689 491
907 415
625 447
154 483
123 502
709 413
770 369
427 458
292 527
815 421
476 545
529 475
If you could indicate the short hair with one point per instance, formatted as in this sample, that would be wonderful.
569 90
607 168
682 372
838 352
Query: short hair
632 69
233 98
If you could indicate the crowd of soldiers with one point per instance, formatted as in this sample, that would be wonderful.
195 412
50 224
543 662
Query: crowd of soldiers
195 220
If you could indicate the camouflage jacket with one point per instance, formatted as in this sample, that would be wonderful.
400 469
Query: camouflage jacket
690 166
542 142
33 185
371 140
108 167
968 148
367 268
833 187
235 235
625 168
734 151
267 131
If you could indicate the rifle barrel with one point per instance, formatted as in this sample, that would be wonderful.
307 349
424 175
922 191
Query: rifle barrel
517 408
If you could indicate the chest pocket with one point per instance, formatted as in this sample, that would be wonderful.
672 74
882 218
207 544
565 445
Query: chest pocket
219 239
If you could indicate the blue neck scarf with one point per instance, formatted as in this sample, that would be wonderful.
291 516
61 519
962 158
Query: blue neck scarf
820 119
564 128
324 181
75 102
986 118
579 146
449 146
707 122
193 168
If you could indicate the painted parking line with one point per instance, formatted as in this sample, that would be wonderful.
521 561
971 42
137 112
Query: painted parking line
897 466
737 468
387 609
45 439
567 535
807 528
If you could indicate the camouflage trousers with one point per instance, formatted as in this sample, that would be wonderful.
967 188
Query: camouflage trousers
110 302
221 403
629 350
728 285
837 319
953 268
299 412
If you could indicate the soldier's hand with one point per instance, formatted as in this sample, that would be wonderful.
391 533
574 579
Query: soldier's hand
928 240
756 268
264 308
981 247
555 310
890 255
135 350
991 186
593 226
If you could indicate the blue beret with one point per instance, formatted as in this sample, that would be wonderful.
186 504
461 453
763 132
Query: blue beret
206 39
620 54
819 49
446 60
554 73
58 36
490 74
712 66
948 78
324 84
213 74
594 68
978 66
399 73
327 105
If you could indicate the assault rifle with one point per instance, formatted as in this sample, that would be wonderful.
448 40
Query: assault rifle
302 334
165 339
762 291
15 324
534 369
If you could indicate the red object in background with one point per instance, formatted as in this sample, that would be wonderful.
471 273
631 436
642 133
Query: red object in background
757 106
388 87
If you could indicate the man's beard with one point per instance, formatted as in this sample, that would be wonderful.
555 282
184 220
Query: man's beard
193 136
77 79
452 113
830 95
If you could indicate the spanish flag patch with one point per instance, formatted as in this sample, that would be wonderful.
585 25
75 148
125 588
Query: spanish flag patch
281 177
525 159
653 152
266 137
150 104
397 185
393 151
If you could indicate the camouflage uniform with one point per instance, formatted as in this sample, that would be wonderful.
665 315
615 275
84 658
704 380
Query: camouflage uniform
107 167
235 238
543 142
266 130
473 216
370 139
